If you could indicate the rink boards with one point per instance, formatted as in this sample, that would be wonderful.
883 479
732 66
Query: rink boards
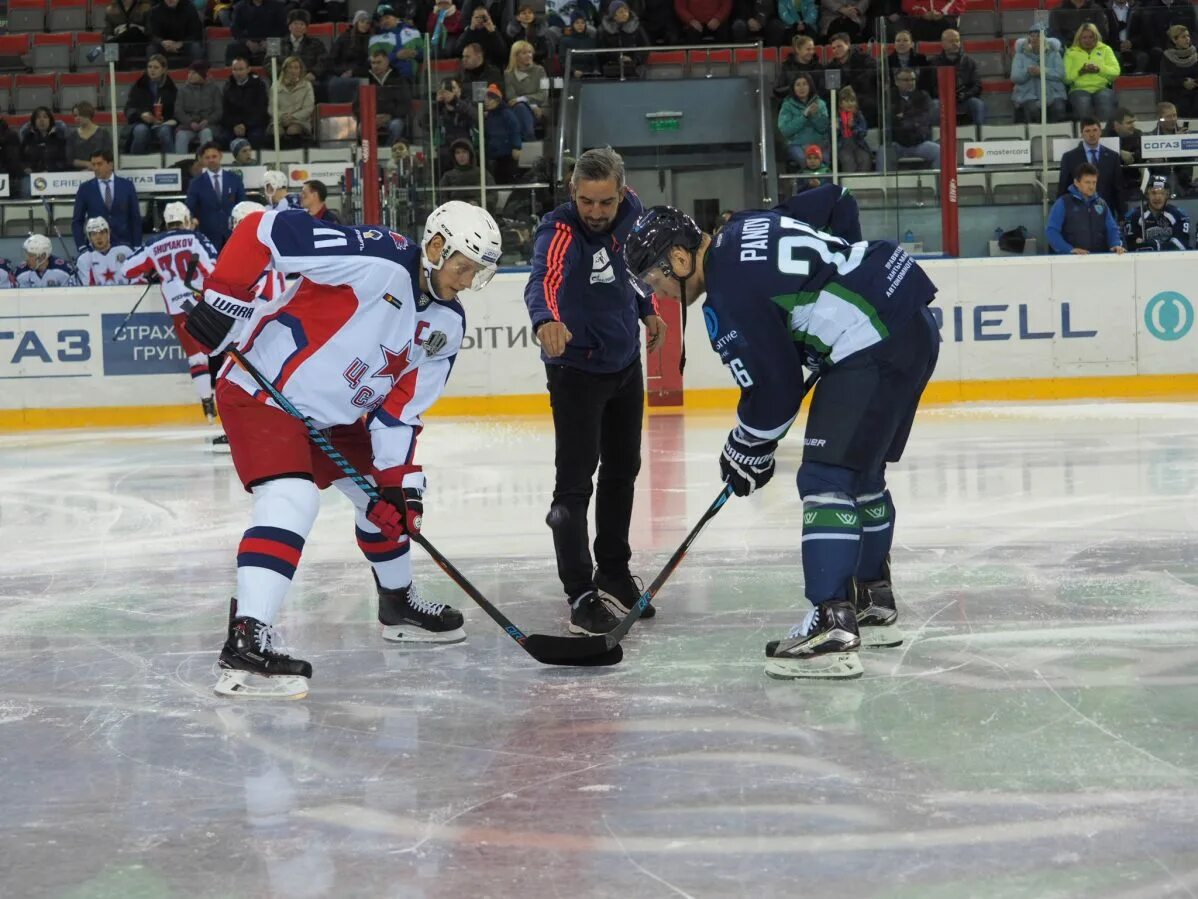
1038 328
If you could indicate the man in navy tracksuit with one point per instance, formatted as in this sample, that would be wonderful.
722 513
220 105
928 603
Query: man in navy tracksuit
585 311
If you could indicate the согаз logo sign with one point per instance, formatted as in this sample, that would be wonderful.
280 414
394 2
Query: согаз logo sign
1169 316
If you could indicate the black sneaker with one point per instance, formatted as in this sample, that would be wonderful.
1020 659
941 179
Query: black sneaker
590 615
623 591
824 646
407 617
877 615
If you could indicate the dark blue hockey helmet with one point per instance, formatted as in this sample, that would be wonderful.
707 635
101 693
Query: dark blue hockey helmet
656 232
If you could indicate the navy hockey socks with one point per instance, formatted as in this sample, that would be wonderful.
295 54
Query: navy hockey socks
877 533
831 544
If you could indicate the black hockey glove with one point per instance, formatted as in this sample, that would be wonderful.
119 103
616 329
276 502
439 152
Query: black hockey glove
747 462
211 322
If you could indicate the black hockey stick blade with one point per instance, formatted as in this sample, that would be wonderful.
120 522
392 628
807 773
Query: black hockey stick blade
581 652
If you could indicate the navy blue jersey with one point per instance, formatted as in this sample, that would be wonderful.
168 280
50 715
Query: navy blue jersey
781 294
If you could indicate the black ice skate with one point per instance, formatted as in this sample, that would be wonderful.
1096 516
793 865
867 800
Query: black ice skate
209 406
590 615
824 646
877 616
253 668
407 617
220 444
623 591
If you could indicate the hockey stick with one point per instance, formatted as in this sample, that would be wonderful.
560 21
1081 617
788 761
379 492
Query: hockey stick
614 636
581 651
121 327
53 224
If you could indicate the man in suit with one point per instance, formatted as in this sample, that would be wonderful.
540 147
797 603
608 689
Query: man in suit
113 199
1106 160
213 194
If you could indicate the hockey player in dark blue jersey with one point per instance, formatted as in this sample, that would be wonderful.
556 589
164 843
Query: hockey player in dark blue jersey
782 295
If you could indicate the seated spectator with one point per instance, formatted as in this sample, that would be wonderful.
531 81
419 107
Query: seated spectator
351 54
1179 73
814 171
803 120
1091 68
309 50
910 125
456 120
762 20
243 152
1181 174
476 69
904 56
503 138
1080 221
1025 74
197 108
150 109
803 60
928 19
969 82
44 143
580 36
705 20
526 26
399 37
857 71
1160 227
1106 162
86 137
849 131
41 269
524 85
465 171
444 25
176 31
312 198
245 106
296 104
101 264
253 21
660 22
127 22
1123 126
393 98
846 18
483 31
1150 27
110 197
620 28
1121 18
1066 19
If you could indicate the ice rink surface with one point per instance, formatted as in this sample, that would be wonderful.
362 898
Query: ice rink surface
1036 736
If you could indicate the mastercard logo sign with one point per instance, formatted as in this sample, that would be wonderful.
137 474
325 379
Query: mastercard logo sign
299 174
975 153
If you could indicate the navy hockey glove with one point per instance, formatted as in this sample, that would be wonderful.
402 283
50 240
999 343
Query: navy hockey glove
747 462
211 322
397 513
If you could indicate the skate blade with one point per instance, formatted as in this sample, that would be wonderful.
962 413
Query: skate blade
247 685
880 637
833 666
219 449
409 633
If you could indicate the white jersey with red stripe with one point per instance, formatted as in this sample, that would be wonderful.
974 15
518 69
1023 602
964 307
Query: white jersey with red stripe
169 254
96 269
8 280
57 273
353 336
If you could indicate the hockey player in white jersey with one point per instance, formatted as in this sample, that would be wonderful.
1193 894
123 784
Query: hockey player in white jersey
170 254
101 264
362 345
274 184
271 283
8 280
40 268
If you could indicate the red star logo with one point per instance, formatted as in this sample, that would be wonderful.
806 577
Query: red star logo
109 276
393 364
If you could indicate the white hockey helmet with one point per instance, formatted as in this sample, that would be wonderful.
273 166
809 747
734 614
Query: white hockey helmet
468 230
177 213
273 181
38 246
96 224
244 208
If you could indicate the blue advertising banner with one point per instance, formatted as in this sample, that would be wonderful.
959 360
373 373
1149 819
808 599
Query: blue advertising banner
146 345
